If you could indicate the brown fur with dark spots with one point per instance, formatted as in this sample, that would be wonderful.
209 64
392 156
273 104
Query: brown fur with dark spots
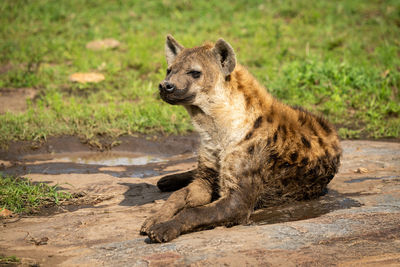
254 152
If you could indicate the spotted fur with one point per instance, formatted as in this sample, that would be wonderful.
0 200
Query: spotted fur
255 151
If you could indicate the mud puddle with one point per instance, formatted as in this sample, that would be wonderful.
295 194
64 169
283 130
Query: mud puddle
303 210
117 164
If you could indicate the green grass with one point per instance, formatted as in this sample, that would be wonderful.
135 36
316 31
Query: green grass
337 58
9 260
20 195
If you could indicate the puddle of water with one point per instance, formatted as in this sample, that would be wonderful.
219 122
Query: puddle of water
302 210
117 161
117 164
146 173
138 173
101 158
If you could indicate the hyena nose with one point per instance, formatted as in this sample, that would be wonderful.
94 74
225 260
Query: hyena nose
169 87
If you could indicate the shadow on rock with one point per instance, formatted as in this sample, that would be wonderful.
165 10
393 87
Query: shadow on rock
140 194
303 210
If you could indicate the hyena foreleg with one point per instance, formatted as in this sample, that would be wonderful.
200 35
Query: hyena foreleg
229 210
197 193
239 192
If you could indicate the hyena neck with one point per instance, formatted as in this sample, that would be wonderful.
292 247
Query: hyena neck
228 114
204 123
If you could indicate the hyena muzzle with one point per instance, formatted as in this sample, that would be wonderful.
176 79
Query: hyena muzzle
254 151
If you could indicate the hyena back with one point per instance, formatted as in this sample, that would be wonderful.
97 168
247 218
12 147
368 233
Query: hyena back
254 150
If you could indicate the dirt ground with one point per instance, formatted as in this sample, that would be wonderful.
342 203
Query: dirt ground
15 100
357 223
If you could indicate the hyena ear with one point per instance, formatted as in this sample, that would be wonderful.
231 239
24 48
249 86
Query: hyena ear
172 49
225 56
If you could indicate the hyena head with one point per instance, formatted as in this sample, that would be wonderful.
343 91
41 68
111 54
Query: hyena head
194 71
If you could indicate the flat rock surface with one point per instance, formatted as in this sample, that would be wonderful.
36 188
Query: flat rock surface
357 223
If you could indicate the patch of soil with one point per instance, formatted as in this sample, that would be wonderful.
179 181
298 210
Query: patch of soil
5 67
14 100
78 201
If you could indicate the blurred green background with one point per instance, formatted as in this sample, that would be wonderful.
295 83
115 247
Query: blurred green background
337 58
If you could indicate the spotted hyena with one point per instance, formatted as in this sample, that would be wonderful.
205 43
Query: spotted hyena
255 151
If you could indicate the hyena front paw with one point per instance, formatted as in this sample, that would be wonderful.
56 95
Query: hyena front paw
164 232
148 223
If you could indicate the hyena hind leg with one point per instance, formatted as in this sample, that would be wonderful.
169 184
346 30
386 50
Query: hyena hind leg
174 182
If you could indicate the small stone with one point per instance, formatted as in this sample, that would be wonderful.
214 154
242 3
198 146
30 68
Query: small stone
102 44
39 242
5 164
90 77
361 170
6 213
42 241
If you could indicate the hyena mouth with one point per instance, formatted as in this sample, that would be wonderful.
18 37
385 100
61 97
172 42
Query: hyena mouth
177 97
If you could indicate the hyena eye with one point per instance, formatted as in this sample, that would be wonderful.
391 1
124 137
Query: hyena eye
195 74
168 71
